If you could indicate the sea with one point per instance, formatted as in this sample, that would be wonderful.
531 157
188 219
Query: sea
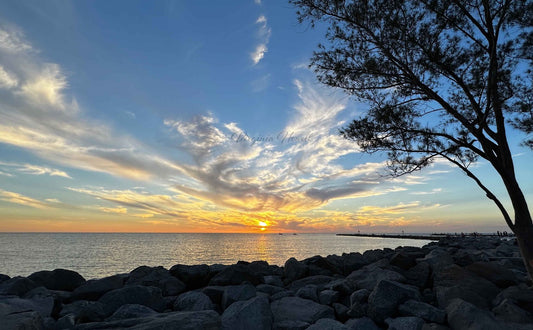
96 255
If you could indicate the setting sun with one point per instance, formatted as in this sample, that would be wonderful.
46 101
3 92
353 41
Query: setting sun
262 224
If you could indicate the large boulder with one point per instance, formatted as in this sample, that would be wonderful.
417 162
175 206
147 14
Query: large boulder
23 320
308 292
321 281
157 277
328 297
368 276
319 265
352 262
294 270
131 311
403 260
254 313
437 259
205 320
4 278
17 286
135 294
494 272
193 301
269 289
194 277
521 294
237 274
235 293
84 311
43 306
214 293
327 324
363 323
425 311
94 289
464 315
386 297
298 309
418 275
508 311
58 279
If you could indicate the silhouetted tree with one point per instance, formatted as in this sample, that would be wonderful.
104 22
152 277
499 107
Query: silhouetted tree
444 79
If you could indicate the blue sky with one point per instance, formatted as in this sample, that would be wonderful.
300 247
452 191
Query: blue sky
197 116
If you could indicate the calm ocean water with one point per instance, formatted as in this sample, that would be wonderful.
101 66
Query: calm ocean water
99 255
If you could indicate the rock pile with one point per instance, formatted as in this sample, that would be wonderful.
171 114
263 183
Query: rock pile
459 283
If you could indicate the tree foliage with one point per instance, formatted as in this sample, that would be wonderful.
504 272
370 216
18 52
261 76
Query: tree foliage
444 79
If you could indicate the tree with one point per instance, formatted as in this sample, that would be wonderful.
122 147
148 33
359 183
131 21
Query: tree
443 78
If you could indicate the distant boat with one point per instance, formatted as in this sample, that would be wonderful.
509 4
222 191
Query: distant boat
294 234
280 234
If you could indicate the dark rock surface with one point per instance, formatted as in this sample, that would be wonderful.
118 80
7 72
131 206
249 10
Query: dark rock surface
58 279
254 313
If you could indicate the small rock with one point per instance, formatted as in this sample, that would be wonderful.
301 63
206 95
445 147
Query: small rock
319 280
194 277
364 323
193 301
384 300
368 276
328 297
422 310
308 292
294 270
341 312
66 322
298 309
235 293
418 275
282 294
254 313
405 323
58 279
327 324
214 293
359 296
403 260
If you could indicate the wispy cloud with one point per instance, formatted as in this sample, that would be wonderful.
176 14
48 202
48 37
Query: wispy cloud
34 169
16 198
263 34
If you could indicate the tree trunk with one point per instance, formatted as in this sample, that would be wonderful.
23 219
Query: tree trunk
524 236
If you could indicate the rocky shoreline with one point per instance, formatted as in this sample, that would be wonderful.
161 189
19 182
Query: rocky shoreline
456 283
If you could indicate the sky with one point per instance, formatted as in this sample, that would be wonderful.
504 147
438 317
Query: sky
199 116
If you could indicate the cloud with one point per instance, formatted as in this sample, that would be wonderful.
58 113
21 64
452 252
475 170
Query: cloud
16 198
35 169
263 34
7 80
117 210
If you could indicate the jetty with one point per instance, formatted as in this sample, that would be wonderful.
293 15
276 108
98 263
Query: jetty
404 236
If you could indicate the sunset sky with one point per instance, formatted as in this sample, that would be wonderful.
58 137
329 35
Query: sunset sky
198 116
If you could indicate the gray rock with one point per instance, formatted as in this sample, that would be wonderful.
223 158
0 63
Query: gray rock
84 311
94 289
294 270
510 312
308 292
327 324
44 306
418 275
320 281
341 312
4 278
422 310
437 259
282 294
364 323
23 320
403 260
269 289
521 294
129 311
17 286
359 296
373 255
193 301
135 294
236 275
353 262
386 297
66 322
328 297
342 286
235 293
205 320
291 325
405 323
464 315
494 272
319 265
194 277
298 309
254 313
274 280
58 279
434 326
368 276
157 277
358 310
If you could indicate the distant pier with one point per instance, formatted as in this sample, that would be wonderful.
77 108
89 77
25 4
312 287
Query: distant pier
404 236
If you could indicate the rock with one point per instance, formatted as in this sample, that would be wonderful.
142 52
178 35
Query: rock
205 320
294 270
23 320
463 258
359 296
193 301
94 289
345 288
269 289
368 276
66 322
235 275
418 275
434 326
364 323
291 325
129 311
43 306
464 315
135 294
254 313
327 324
214 293
17 286
510 312
84 311
319 280
328 297
194 277
4 278
521 294
405 323
308 292
282 294
273 280
341 312
437 259
384 300
403 260
58 279
495 273
353 262
455 282
298 309
425 311
319 265
235 293
158 277
373 255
